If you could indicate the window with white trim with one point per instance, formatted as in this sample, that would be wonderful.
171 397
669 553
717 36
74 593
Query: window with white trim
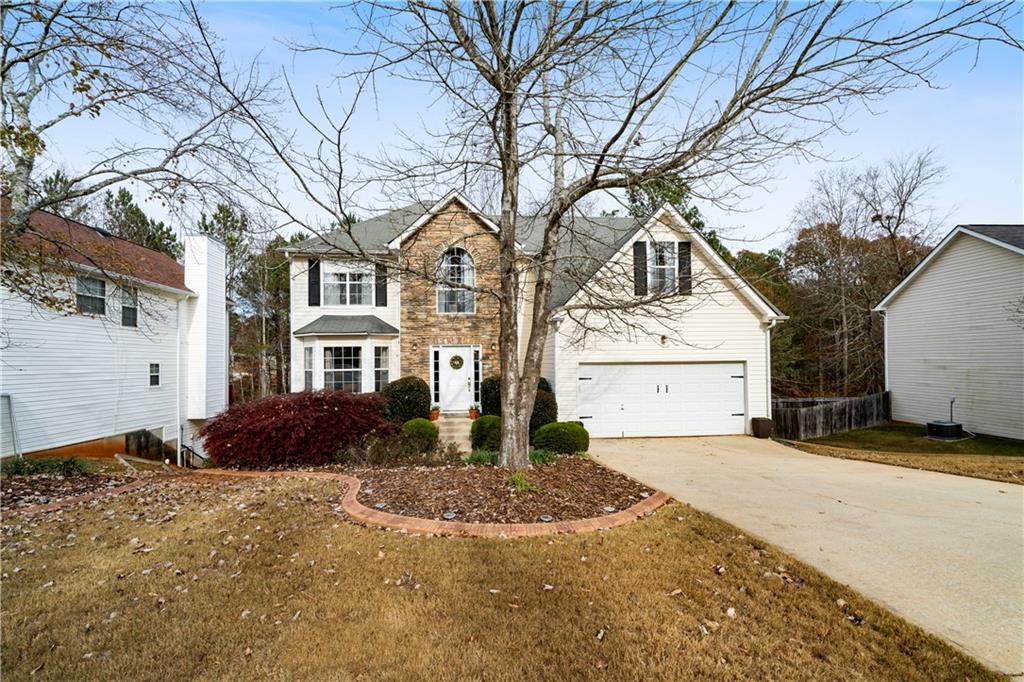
343 368
381 367
346 287
456 267
91 295
662 273
154 374
307 368
129 307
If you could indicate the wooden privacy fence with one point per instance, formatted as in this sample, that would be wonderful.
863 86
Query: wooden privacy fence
803 418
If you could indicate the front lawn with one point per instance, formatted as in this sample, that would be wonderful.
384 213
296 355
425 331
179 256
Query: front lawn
257 578
997 459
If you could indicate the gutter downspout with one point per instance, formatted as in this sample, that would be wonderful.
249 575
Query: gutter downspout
768 361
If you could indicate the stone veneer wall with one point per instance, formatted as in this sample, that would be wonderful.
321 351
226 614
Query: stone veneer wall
422 325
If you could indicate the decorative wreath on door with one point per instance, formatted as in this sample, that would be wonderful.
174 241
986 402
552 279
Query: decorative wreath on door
456 362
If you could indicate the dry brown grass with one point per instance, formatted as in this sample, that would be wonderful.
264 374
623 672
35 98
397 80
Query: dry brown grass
329 600
1003 468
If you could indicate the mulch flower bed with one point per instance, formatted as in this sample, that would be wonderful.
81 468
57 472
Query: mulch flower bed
25 491
570 488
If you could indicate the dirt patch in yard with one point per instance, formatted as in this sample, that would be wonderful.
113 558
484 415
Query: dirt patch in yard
1003 468
567 489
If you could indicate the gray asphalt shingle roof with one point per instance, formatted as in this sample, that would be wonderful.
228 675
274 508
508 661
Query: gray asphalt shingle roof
347 325
1008 234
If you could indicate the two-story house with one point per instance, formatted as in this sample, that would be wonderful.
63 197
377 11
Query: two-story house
141 346
357 326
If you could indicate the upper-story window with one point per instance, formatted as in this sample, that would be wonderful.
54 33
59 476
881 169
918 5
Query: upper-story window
662 267
456 267
129 307
346 286
91 295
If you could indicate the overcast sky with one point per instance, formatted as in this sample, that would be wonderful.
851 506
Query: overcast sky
973 119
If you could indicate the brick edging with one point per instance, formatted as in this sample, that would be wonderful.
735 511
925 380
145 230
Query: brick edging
413 524
87 497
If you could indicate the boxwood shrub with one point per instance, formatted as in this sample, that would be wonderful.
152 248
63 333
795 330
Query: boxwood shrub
565 438
490 393
407 398
485 433
545 411
423 432
295 429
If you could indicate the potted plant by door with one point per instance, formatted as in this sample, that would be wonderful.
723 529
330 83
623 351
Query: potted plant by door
474 411
435 412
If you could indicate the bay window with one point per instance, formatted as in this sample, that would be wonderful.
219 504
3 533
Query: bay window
381 368
343 368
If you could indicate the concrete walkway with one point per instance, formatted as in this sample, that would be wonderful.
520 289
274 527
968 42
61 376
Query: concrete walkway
946 552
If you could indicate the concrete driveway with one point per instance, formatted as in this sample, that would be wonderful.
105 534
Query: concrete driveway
945 552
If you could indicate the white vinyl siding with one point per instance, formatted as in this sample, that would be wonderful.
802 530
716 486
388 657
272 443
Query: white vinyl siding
949 335
717 325
302 314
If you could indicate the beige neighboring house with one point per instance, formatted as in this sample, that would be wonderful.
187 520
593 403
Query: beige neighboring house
954 328
356 325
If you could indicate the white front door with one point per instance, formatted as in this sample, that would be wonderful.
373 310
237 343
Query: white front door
455 371
675 399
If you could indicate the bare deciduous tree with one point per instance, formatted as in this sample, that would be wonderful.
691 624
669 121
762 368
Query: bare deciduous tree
550 104
138 62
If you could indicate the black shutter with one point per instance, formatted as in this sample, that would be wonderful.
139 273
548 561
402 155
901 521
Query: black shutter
314 281
640 268
685 275
381 285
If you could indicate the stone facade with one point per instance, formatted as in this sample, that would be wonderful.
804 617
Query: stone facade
422 326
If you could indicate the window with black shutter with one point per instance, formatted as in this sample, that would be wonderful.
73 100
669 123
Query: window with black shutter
381 286
685 274
314 282
640 268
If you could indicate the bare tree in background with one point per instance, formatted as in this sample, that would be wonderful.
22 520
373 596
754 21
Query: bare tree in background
857 234
551 104
64 63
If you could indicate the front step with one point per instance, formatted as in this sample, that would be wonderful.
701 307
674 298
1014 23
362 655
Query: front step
455 429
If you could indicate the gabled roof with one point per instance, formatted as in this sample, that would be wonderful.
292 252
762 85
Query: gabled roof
92 248
347 325
1010 237
598 258
582 250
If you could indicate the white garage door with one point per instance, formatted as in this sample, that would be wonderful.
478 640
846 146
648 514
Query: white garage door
699 399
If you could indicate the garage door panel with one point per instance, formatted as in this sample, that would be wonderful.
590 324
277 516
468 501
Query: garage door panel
674 399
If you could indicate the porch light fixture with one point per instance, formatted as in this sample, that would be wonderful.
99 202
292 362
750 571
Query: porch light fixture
415 346
494 346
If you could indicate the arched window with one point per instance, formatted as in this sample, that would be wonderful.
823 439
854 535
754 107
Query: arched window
455 267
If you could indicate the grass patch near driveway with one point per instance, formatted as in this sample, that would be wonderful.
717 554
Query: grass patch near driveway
989 457
258 578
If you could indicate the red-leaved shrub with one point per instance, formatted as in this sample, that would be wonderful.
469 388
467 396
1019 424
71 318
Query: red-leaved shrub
295 429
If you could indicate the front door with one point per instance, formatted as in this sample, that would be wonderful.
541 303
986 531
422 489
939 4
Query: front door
455 365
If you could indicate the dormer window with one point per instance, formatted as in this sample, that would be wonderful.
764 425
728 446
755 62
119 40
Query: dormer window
456 268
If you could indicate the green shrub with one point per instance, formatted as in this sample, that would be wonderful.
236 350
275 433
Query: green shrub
485 433
490 393
565 438
62 466
407 398
540 456
423 431
520 484
490 396
486 457
545 411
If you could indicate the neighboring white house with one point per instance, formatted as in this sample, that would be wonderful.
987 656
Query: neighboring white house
146 350
702 367
954 328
